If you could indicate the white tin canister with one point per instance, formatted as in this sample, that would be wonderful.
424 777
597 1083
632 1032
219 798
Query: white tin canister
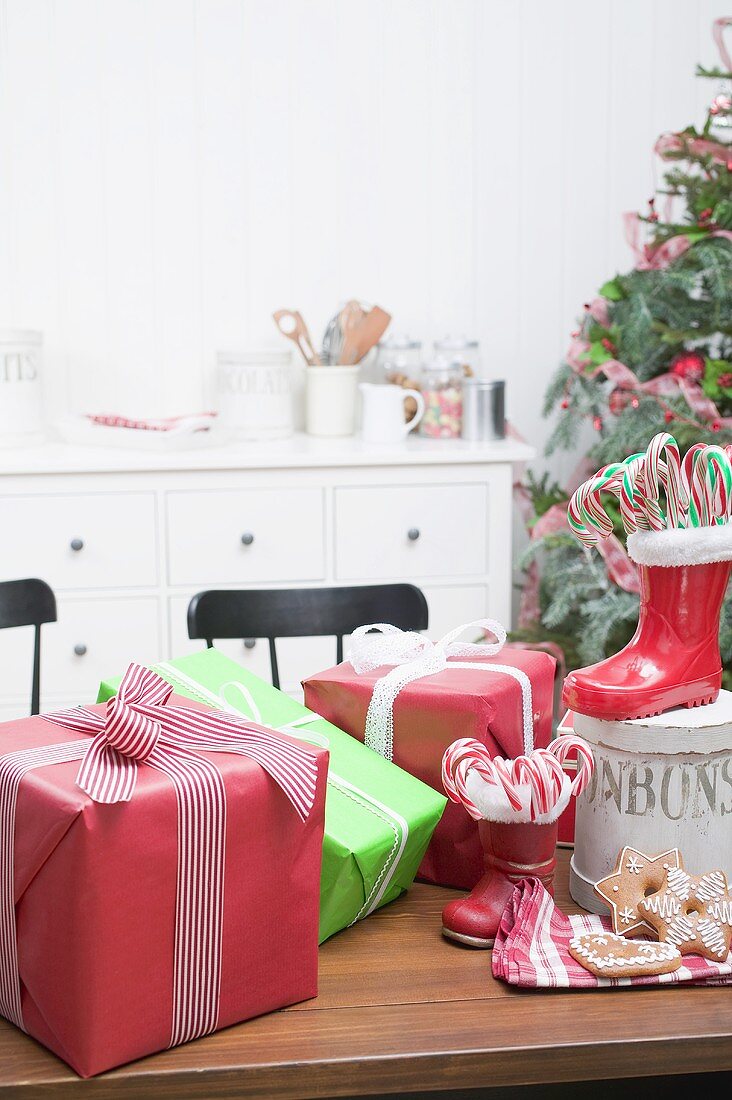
21 386
255 393
659 783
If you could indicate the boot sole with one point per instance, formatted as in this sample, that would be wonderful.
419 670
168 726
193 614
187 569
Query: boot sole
469 941
696 693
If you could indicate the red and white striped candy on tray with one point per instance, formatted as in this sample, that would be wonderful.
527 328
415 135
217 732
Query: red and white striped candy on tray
531 788
697 492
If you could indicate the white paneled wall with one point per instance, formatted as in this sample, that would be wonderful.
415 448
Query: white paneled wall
173 170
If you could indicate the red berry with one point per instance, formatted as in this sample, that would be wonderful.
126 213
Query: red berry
716 426
668 416
597 423
565 404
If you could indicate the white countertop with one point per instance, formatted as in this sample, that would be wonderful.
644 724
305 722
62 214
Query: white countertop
300 451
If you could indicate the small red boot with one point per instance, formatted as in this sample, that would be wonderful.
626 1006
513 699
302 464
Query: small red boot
673 658
511 852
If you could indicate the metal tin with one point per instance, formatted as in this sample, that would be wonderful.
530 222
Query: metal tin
484 410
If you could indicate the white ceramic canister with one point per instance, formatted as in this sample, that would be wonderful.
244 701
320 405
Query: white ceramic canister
659 783
21 387
330 400
255 393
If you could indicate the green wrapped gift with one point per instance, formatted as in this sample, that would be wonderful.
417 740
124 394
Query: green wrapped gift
378 818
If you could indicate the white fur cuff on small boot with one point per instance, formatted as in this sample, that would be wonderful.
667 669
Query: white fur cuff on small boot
676 546
493 803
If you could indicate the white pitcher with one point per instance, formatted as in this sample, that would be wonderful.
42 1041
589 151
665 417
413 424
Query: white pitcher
383 412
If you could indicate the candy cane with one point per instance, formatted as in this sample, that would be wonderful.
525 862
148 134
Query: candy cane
711 486
718 459
562 747
630 497
687 474
669 474
585 511
464 755
541 770
525 771
648 505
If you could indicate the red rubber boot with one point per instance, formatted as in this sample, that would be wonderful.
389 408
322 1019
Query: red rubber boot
510 852
673 658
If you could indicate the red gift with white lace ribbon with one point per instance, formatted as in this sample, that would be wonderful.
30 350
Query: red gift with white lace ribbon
409 698
147 867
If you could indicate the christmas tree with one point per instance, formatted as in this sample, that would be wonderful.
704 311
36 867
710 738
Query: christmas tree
652 352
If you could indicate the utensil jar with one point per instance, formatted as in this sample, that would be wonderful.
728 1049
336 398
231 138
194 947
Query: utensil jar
330 400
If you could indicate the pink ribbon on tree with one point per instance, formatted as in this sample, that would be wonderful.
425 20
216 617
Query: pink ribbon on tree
718 28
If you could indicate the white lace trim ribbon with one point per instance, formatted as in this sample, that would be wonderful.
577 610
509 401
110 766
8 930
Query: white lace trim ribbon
414 656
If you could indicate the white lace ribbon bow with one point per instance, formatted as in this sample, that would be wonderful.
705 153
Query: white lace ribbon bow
415 656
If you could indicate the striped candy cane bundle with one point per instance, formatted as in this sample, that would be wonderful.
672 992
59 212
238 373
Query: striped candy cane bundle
533 787
697 492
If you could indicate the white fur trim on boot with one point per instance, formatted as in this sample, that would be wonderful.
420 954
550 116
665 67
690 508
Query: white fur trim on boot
678 546
492 801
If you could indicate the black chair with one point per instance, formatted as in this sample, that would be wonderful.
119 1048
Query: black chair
303 612
28 603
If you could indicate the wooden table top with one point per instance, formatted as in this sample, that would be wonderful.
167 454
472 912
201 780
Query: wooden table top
400 1009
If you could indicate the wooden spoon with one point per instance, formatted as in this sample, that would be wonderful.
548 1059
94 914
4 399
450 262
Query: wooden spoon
361 332
291 325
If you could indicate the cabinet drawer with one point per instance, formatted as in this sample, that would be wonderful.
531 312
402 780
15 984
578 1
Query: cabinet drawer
80 540
110 632
222 537
297 658
411 531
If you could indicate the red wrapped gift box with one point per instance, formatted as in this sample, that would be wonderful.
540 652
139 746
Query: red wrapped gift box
466 699
127 927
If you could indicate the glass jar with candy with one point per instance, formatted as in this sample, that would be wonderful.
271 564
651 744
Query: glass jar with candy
441 384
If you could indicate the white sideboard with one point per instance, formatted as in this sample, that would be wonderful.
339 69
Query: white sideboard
126 537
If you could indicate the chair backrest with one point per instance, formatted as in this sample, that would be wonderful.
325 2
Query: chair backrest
28 602
303 612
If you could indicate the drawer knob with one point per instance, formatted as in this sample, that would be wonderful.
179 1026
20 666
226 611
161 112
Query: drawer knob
77 544
247 538
413 534
249 643
79 649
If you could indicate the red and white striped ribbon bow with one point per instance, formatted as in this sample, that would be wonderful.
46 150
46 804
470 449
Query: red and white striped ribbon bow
139 727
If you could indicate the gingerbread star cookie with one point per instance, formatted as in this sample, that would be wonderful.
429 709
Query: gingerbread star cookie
636 875
692 912
609 956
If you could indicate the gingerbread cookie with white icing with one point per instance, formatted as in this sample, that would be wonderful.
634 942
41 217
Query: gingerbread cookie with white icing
635 877
609 956
693 912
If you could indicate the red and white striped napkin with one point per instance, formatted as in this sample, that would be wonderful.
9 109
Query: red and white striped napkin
532 948
196 422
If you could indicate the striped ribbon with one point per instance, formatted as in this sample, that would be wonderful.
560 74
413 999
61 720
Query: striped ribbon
138 727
